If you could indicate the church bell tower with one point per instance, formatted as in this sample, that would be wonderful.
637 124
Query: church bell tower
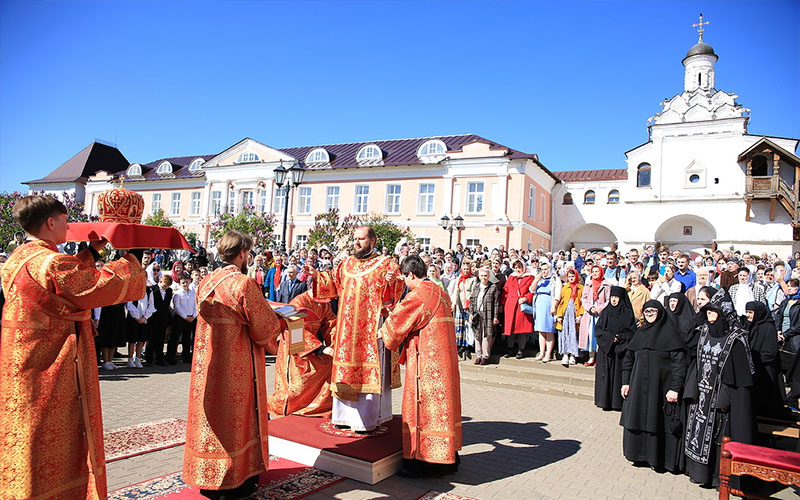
699 63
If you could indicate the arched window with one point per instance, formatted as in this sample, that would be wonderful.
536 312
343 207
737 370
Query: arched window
370 152
643 175
613 196
318 155
247 158
567 200
588 198
196 164
760 168
432 147
164 168
135 169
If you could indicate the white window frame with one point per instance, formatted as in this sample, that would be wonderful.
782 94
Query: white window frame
425 243
262 200
164 168
304 200
196 164
248 157
134 169
331 198
279 203
361 199
216 202
195 206
471 243
370 152
318 155
475 204
425 148
425 201
175 205
301 240
246 198
393 193
532 202
155 204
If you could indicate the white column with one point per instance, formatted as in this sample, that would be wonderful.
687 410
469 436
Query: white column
207 206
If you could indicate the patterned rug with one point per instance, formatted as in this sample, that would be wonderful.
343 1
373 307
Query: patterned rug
327 427
133 440
438 495
284 481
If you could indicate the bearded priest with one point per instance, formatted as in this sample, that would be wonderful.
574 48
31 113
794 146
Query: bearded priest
364 372
423 324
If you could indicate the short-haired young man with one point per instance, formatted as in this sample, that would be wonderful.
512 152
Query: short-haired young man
48 361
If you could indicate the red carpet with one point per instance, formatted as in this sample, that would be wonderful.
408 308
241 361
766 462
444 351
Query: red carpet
285 480
438 495
304 430
138 439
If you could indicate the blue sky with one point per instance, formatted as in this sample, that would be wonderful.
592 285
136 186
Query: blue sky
573 81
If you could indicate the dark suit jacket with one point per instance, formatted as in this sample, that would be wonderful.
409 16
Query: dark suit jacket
290 289
162 317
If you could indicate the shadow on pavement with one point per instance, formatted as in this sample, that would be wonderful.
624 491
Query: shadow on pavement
518 447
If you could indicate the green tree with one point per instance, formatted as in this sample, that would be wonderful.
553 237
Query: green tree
190 236
157 218
8 226
337 233
249 221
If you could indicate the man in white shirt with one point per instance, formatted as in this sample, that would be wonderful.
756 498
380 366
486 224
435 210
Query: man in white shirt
185 321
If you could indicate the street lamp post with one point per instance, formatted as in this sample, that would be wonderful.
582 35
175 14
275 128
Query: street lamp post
295 180
456 224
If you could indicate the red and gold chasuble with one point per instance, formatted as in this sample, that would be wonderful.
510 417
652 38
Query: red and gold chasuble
302 381
363 292
432 393
51 425
226 431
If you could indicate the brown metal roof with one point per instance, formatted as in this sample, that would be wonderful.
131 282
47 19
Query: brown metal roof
180 169
87 162
608 174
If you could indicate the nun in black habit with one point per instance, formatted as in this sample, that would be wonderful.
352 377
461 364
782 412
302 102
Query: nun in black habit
614 329
721 397
652 375
769 390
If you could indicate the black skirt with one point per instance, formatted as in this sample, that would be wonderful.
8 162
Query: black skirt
111 331
137 332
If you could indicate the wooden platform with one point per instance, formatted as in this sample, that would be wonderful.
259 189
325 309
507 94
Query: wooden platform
365 459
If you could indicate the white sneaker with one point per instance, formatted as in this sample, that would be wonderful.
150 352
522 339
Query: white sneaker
565 360
572 359
132 363
139 363
109 366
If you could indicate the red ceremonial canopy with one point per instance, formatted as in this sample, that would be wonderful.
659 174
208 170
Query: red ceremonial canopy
125 235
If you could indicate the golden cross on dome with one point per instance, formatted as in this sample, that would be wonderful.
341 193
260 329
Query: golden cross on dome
700 27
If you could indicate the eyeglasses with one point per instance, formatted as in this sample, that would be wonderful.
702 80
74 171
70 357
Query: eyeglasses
650 312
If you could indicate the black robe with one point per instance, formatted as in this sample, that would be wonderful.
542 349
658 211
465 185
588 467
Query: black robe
615 328
654 364
769 389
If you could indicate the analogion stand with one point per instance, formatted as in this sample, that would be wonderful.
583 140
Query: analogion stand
312 442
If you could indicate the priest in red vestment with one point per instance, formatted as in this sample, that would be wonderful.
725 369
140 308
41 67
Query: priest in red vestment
364 372
226 431
51 426
303 380
432 392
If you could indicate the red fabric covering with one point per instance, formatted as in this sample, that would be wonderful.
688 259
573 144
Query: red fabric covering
304 430
767 457
128 236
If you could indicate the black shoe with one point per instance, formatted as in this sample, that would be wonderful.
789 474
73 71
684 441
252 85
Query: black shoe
519 354
172 361
161 362
507 355
341 427
410 468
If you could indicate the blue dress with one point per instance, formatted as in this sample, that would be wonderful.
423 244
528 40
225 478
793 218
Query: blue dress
542 319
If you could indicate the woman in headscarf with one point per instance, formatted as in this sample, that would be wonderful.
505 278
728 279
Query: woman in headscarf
763 338
595 297
638 294
178 272
568 314
652 376
680 311
721 398
703 279
460 291
546 288
615 328
518 325
746 290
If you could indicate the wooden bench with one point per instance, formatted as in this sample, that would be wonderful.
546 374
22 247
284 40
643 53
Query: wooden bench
766 464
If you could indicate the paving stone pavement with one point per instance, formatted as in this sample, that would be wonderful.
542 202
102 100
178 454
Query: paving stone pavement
517 445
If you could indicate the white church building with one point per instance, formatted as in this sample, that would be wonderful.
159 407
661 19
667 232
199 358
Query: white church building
700 178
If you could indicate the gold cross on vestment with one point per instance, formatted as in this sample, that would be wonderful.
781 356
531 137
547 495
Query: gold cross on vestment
700 27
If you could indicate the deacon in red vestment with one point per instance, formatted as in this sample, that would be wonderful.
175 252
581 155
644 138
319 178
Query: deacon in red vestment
363 371
51 426
432 392
226 431
302 381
